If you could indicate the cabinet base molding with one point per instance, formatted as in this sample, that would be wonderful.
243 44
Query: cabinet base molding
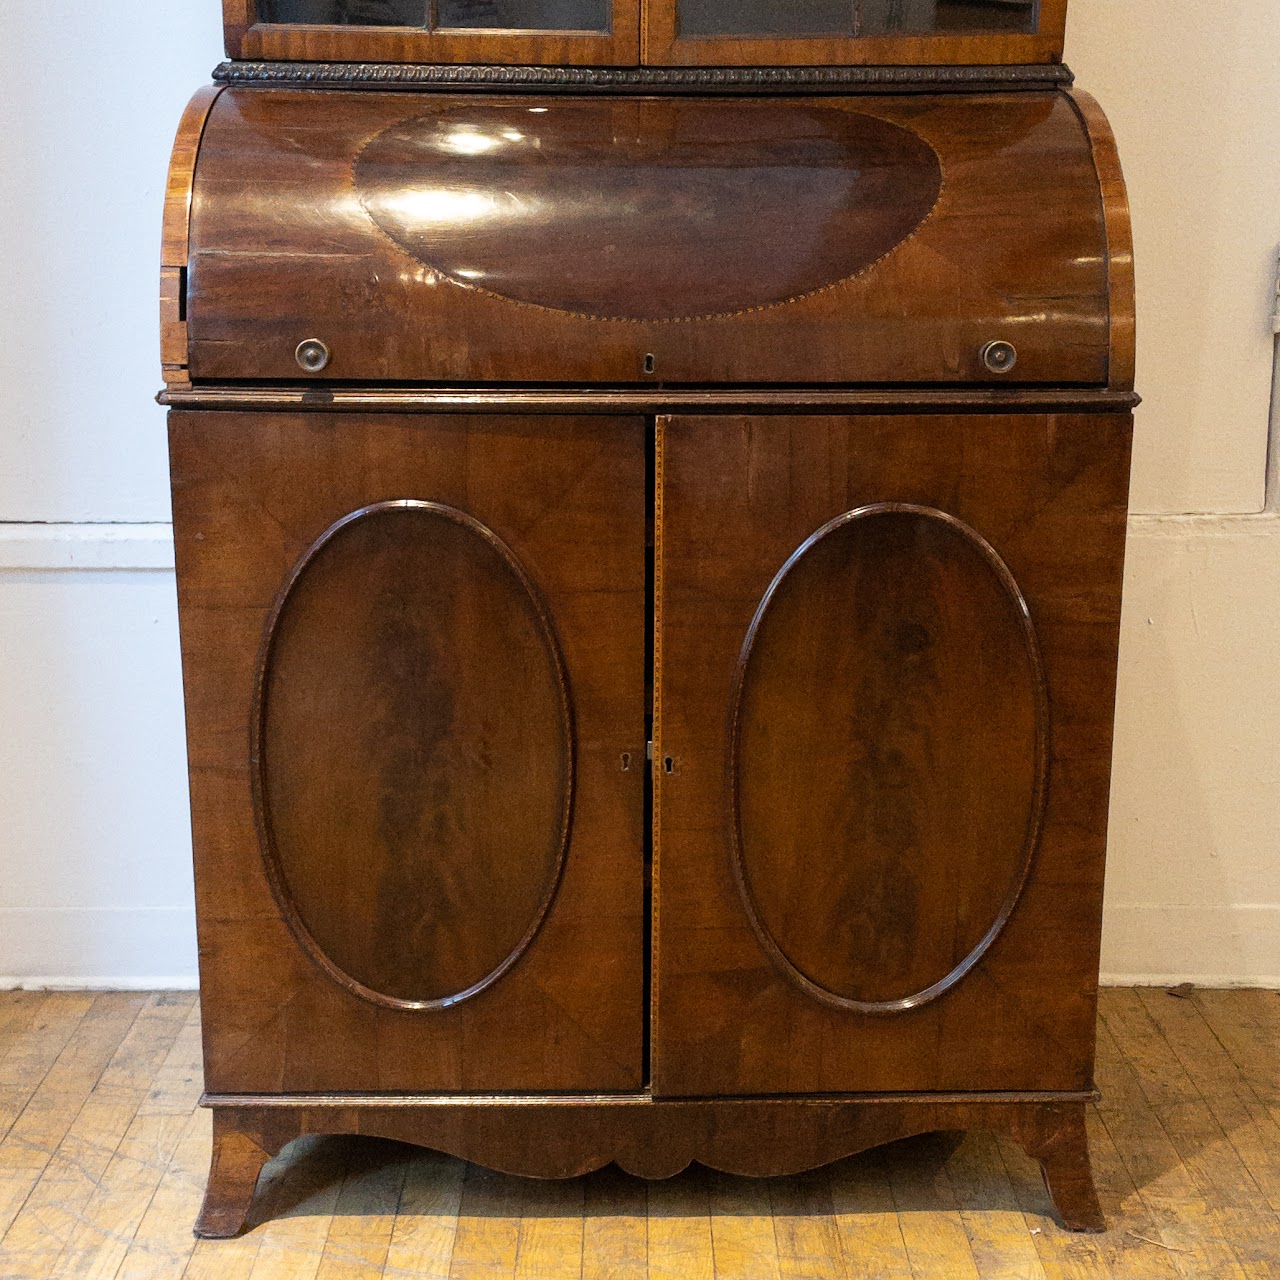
647 1137
650 400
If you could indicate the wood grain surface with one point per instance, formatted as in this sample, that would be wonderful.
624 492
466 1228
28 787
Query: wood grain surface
889 759
651 401
364 794
836 813
1115 201
854 187
175 242
652 1138
296 233
415 754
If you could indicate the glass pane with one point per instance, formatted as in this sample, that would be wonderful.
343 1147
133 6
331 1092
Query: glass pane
922 17
525 15
766 17
362 13
819 18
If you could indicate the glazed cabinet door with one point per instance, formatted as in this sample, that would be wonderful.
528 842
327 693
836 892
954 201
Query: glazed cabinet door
886 654
571 32
414 653
815 32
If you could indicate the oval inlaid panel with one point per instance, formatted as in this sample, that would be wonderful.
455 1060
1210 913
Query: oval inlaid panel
415 755
662 209
889 757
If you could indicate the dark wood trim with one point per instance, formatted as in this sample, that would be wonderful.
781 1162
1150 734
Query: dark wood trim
498 400
567 1137
763 80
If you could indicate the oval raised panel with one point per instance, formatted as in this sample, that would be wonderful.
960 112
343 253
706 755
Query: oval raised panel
414 755
658 210
889 757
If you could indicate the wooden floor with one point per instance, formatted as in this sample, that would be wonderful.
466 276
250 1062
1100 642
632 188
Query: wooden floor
104 1155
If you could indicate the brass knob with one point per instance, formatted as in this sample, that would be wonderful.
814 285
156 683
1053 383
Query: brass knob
312 355
1000 357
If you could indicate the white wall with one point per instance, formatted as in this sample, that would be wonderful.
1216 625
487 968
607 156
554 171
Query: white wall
95 863
94 837
89 102
95 881
1193 91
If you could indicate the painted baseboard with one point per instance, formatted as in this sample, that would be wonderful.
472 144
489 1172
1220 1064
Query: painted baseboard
126 949
1224 946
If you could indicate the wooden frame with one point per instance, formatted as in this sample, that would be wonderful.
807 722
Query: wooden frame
246 38
663 46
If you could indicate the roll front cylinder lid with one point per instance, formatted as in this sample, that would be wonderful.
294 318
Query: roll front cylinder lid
913 239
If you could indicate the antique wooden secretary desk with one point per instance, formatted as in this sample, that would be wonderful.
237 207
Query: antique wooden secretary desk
649 485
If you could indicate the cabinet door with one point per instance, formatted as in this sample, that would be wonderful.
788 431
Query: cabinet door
790 32
414 653
581 32
886 655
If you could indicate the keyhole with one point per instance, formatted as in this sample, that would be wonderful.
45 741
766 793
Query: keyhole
669 765
650 364
626 762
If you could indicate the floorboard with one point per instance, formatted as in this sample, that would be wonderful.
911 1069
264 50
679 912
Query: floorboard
104 1153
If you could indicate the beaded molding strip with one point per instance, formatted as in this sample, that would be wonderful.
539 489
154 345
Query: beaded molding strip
427 77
